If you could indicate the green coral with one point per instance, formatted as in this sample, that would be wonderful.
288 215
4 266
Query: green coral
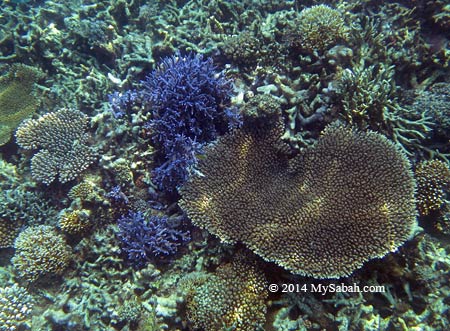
17 100
368 95
318 28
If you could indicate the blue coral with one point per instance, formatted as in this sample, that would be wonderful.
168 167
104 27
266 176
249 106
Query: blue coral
189 101
146 238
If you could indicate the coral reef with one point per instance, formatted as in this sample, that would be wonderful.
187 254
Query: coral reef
40 251
232 298
144 238
17 100
346 200
15 308
433 183
62 143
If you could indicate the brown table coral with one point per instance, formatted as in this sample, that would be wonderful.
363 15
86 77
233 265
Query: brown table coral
340 203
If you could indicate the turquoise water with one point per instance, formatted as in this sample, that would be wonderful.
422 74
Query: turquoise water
224 165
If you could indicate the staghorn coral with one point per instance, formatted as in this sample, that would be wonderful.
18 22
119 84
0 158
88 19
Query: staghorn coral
433 182
15 307
190 104
318 28
340 203
62 141
145 238
369 99
40 251
17 101
233 297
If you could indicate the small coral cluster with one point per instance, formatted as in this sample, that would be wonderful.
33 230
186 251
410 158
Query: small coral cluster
74 221
62 143
40 251
433 183
144 238
319 28
233 298
15 307
189 103
344 201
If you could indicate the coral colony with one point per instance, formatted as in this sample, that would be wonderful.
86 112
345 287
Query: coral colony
243 165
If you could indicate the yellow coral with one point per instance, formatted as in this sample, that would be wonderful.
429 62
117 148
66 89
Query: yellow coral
40 251
74 221
17 101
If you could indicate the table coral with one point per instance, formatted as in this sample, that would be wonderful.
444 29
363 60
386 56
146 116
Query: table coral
62 141
17 100
342 202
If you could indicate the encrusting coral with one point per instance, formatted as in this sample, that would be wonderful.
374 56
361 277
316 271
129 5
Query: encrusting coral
342 202
433 182
40 251
62 141
17 101
233 297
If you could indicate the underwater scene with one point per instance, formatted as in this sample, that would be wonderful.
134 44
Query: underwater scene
252 165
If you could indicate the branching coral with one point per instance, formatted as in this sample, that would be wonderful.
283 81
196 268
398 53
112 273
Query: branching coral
346 200
190 103
40 251
369 99
433 183
144 238
17 101
62 141
230 299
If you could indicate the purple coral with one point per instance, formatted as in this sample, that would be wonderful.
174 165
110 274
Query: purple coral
144 238
190 106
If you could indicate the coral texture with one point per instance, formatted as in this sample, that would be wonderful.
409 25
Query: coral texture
319 28
62 141
15 307
17 101
40 251
233 298
342 202
433 183
144 238
74 221
189 101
